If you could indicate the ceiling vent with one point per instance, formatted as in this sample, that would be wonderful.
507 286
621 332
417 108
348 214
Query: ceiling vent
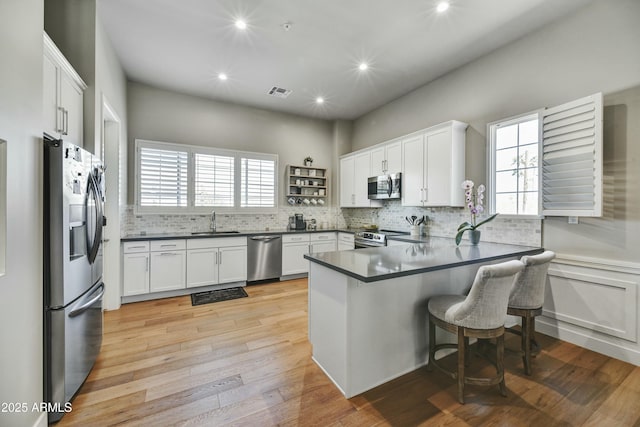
279 92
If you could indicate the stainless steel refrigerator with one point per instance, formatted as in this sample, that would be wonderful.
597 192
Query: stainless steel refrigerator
73 287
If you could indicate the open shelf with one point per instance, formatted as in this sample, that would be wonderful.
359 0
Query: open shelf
307 183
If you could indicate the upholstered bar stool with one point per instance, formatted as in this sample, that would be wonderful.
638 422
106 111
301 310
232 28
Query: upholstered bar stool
527 298
480 314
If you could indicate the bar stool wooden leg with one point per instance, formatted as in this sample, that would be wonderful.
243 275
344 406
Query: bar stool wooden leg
500 364
432 344
461 364
526 343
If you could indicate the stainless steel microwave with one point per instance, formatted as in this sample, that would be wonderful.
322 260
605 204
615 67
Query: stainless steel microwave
384 187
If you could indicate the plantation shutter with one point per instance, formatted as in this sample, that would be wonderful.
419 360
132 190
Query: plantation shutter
163 177
214 179
258 183
572 158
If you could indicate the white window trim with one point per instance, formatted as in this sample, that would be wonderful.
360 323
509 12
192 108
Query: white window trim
190 209
491 161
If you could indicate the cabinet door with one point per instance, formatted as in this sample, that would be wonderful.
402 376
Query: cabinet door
71 101
167 270
347 192
50 112
394 157
135 271
202 267
293 261
362 172
232 264
378 165
438 169
413 171
345 246
318 247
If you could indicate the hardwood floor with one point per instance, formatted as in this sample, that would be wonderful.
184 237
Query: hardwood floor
247 362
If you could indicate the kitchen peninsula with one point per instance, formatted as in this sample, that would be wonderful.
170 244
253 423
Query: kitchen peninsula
368 307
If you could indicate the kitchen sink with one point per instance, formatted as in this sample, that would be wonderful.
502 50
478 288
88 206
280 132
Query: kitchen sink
212 233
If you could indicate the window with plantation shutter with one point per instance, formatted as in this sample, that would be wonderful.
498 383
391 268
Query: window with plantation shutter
567 180
572 158
178 178
214 180
257 187
162 177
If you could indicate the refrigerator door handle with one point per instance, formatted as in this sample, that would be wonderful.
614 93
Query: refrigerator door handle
84 307
92 187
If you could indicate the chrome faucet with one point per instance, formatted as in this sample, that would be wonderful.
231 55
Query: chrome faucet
213 221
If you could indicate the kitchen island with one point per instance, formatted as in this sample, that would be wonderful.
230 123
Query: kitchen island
368 307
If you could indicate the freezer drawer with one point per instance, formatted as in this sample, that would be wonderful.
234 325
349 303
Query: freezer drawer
72 345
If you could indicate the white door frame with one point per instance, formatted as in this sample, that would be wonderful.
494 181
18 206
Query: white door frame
110 142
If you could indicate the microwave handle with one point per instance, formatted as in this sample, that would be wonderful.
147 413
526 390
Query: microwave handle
390 187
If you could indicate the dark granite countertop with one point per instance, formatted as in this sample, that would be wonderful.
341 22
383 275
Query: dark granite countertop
189 235
435 253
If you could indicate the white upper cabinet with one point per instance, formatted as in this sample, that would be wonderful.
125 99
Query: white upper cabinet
386 159
355 170
62 96
413 171
434 166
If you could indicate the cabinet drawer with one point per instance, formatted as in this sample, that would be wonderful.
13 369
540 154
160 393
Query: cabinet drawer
346 237
295 238
134 247
168 245
227 242
218 242
319 237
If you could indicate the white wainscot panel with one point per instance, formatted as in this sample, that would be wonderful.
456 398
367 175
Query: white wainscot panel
592 301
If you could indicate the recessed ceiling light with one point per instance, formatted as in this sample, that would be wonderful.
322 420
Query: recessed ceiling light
240 24
363 66
319 100
442 6
222 76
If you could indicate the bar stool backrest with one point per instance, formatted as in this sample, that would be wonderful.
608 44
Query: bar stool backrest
528 288
485 307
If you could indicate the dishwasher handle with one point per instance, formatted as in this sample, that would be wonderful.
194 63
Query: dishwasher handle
264 238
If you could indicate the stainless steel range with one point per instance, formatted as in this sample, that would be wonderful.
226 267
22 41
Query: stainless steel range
371 239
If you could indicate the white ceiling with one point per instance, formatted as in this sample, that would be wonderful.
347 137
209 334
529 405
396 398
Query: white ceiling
184 45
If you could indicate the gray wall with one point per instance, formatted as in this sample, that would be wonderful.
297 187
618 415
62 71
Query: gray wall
71 24
21 286
593 50
161 115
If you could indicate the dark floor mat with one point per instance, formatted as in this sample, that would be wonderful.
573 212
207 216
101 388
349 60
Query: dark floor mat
200 298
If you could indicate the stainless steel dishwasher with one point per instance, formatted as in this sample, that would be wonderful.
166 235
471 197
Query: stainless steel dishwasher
264 258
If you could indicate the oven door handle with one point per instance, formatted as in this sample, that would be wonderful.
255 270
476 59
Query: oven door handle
84 307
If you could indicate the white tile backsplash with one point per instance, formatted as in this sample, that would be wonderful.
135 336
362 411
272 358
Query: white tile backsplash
132 223
443 222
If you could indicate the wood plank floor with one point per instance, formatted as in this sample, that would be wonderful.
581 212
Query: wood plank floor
247 362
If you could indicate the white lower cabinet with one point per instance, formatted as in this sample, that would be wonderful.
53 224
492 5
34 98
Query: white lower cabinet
135 268
232 265
346 241
294 247
167 270
322 242
168 265
202 267
215 261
